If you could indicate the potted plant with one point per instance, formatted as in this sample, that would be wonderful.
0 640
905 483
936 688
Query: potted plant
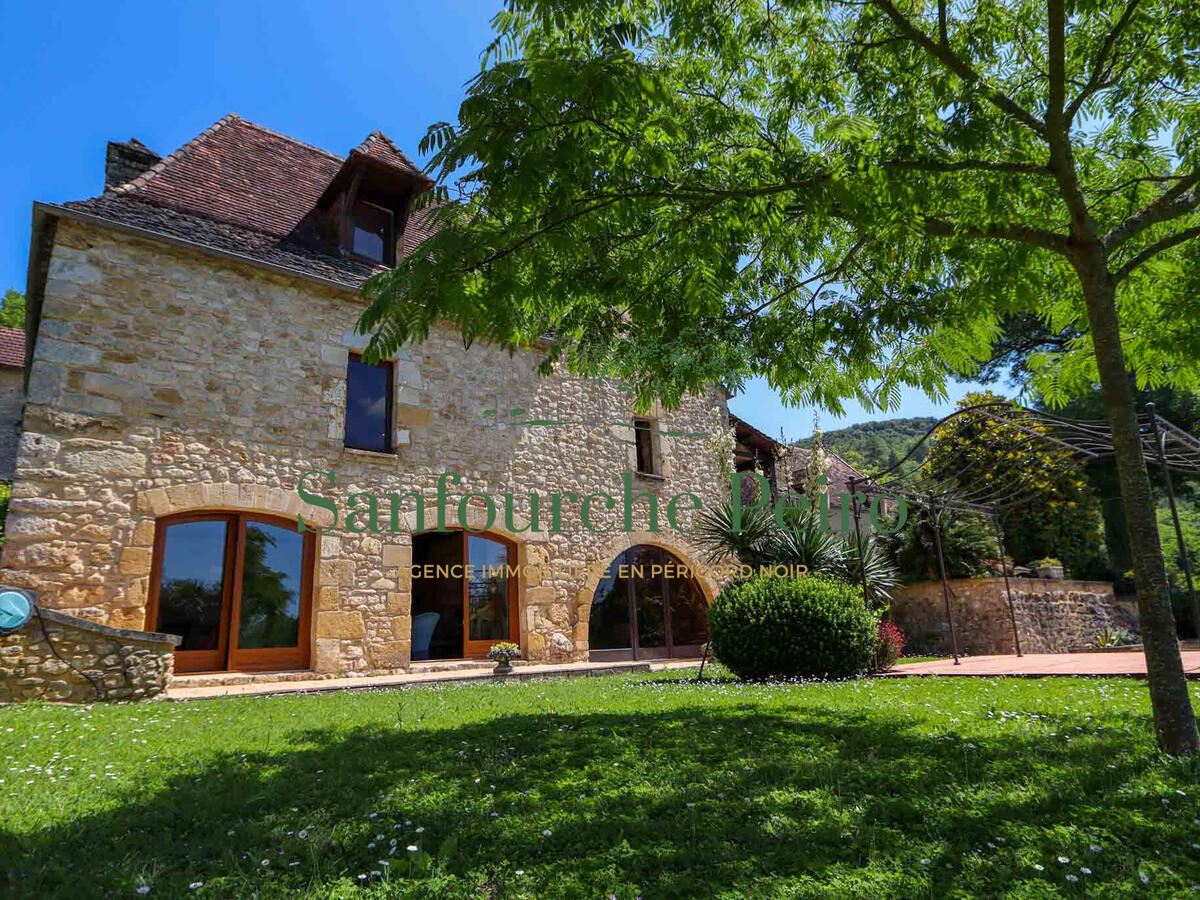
503 654
1049 568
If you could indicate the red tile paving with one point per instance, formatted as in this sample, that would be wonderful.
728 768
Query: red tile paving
1040 665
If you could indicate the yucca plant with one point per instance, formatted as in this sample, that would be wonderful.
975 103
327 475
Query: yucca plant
718 541
762 542
867 561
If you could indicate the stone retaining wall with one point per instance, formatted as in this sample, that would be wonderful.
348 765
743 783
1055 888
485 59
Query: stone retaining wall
1052 616
127 665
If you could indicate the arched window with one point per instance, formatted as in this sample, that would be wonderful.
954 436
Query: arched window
646 608
465 599
237 587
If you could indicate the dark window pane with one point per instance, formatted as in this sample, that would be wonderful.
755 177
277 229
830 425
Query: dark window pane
372 231
192 586
368 402
648 597
644 442
271 573
487 592
689 612
437 602
609 626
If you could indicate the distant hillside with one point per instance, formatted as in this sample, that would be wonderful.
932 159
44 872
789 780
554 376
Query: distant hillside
873 446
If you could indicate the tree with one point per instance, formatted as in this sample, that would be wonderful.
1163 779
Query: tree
844 196
12 313
1054 511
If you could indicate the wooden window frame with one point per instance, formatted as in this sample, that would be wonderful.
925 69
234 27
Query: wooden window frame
388 412
643 441
389 243
228 657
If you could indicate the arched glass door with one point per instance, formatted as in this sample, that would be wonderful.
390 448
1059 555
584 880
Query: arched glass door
236 587
644 609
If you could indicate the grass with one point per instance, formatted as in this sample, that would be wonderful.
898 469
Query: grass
916 659
628 786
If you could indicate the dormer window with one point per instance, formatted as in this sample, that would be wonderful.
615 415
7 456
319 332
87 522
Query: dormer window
373 234
366 203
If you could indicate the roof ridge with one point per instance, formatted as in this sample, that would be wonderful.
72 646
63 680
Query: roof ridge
296 141
159 166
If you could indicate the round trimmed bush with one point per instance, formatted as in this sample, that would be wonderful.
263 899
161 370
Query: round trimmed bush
816 626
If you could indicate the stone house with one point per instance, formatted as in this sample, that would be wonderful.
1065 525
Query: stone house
785 466
193 355
12 396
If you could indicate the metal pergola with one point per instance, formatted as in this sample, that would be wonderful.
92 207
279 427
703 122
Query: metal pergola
967 489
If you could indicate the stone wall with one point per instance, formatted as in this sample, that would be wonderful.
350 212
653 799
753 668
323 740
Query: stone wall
1052 616
12 399
167 380
126 665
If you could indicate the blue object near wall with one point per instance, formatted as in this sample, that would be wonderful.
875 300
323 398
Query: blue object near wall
16 608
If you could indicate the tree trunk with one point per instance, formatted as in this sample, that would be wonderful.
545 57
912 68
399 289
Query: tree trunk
1174 721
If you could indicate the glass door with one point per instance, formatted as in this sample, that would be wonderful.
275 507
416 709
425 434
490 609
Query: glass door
236 588
273 571
489 595
193 592
467 600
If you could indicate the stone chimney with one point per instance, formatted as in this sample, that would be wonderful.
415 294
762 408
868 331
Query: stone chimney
125 162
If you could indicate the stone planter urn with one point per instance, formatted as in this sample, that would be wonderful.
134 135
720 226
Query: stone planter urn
1052 573
502 654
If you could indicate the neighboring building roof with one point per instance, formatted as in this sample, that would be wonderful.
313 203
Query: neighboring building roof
241 188
12 347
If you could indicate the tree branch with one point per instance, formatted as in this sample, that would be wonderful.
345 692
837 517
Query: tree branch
1021 234
1098 77
1154 249
1176 201
826 279
961 68
958 165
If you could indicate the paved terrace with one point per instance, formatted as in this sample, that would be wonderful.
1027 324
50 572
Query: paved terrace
202 687
1130 663
1037 665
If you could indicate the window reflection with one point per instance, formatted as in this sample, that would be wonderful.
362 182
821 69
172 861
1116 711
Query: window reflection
271 573
192 585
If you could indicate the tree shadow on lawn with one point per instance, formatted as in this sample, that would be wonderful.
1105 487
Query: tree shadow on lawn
689 802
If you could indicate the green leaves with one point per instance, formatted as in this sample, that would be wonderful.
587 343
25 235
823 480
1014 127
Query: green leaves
830 195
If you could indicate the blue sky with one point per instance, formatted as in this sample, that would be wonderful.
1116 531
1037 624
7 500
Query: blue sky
78 75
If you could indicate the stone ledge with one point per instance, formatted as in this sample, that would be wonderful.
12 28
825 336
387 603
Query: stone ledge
375 456
125 634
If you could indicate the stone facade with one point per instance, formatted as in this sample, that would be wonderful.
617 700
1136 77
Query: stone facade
83 662
165 379
12 400
1052 616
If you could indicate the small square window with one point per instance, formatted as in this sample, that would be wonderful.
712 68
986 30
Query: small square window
372 233
643 438
369 405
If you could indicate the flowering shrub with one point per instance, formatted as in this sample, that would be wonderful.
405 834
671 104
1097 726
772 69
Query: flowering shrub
504 651
889 646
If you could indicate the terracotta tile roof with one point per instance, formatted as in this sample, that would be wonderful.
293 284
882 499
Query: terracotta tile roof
242 188
379 146
12 347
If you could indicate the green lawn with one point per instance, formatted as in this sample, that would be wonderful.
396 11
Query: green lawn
594 787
